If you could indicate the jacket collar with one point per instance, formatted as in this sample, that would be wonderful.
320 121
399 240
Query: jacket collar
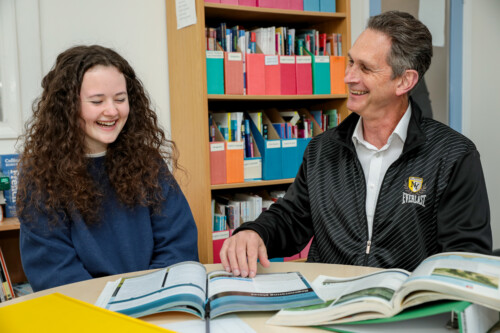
415 136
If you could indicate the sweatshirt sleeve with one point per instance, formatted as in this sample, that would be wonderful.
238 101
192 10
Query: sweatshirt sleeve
48 256
174 230
464 212
286 227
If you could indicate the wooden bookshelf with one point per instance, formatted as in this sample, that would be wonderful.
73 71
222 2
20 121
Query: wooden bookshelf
190 103
9 243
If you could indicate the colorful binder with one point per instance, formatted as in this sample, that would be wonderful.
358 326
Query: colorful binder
267 3
287 75
218 238
328 6
251 3
256 75
311 5
233 73
297 4
303 74
337 73
57 313
235 152
215 72
272 72
229 2
270 149
217 162
320 74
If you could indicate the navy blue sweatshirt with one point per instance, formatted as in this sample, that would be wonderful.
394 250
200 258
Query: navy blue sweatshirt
124 240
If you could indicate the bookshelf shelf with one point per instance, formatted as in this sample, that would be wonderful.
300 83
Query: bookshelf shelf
256 15
9 224
190 103
9 243
272 97
256 183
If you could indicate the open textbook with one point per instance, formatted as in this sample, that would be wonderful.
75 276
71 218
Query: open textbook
452 276
187 287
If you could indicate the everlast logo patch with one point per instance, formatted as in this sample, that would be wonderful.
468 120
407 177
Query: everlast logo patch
414 191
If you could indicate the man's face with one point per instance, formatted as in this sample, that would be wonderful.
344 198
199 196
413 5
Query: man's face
371 89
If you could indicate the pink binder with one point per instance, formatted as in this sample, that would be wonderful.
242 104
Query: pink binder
272 71
217 163
256 76
266 3
229 2
251 3
303 75
297 4
287 75
233 73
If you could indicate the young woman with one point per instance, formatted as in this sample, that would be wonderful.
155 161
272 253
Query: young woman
96 196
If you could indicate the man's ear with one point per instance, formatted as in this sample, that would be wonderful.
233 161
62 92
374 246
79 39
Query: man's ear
406 82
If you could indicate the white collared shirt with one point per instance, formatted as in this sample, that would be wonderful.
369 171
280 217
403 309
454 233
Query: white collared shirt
375 162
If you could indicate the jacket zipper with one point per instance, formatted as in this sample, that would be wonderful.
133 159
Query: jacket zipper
367 252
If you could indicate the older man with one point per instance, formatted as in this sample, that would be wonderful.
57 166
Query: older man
387 187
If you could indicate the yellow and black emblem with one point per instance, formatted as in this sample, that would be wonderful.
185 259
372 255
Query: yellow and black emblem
415 184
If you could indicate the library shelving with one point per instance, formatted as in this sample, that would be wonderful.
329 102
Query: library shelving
190 103
9 243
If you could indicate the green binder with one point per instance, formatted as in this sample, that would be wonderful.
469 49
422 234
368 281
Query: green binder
215 72
320 74
450 316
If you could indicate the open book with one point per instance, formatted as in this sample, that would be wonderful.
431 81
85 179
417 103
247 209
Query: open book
187 287
451 276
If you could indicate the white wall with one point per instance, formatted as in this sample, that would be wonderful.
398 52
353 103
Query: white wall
134 28
481 102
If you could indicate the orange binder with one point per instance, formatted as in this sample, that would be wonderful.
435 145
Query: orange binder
256 76
233 73
272 71
235 152
287 75
337 72
303 75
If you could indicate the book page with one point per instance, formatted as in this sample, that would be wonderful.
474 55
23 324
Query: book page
173 287
264 292
462 276
367 295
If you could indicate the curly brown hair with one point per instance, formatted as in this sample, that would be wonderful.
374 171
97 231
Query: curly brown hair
54 167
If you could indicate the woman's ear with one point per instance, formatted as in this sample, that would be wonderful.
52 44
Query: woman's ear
407 81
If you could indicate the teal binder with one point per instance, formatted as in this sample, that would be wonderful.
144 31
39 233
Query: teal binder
311 5
320 74
269 149
328 6
215 72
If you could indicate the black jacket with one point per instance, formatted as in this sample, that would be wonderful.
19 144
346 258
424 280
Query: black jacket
432 199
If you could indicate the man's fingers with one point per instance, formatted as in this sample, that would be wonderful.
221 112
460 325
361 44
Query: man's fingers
263 255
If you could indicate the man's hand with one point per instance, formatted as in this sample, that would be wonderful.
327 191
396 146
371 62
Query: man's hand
239 253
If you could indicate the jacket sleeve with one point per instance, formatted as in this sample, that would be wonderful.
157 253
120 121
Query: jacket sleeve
48 256
174 230
286 227
464 213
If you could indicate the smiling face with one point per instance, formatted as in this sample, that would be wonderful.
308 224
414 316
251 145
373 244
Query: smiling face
104 106
368 75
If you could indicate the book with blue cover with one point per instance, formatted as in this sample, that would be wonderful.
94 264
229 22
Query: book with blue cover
187 287
8 166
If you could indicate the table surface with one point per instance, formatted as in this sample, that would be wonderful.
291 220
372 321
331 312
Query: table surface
90 290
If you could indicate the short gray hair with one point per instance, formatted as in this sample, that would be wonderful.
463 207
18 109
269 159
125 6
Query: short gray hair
411 41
